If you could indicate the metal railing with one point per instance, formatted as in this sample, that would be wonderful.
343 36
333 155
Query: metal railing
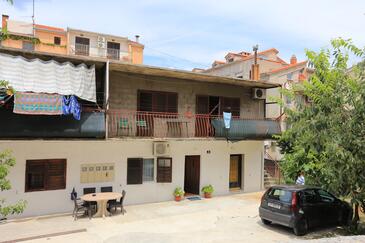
113 53
82 49
123 123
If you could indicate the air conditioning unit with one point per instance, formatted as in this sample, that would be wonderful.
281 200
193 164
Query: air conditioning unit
258 93
101 42
161 148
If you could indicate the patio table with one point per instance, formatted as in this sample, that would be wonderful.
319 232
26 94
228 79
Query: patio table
102 199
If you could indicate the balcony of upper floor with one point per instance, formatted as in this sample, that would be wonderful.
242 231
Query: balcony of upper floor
146 102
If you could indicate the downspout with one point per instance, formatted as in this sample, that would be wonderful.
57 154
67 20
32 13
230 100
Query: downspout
106 99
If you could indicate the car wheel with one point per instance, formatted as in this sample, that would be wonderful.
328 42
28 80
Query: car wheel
300 227
265 221
346 217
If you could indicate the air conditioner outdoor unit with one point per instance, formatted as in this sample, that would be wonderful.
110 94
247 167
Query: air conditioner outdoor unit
161 148
258 93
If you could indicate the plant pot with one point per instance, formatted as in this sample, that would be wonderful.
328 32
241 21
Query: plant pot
178 198
207 194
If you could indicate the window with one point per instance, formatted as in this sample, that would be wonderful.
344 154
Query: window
157 101
309 196
164 170
28 46
325 196
82 46
289 76
46 174
57 40
148 169
280 195
216 105
113 50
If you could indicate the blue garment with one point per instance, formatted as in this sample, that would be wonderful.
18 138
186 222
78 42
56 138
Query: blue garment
227 117
70 105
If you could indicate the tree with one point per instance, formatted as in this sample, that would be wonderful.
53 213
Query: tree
6 162
326 138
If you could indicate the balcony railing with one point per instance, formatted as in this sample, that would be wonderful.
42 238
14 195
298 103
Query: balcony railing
82 49
173 125
113 53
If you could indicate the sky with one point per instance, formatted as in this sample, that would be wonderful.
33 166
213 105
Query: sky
194 33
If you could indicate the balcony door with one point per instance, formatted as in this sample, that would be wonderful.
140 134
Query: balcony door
235 172
82 46
113 50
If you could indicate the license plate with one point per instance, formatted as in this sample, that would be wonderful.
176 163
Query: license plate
273 205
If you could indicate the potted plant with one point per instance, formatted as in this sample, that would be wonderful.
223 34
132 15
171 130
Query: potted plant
179 194
208 190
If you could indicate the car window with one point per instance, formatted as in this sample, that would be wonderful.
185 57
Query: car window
325 196
280 195
309 196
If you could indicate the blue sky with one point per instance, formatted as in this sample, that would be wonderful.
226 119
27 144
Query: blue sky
193 33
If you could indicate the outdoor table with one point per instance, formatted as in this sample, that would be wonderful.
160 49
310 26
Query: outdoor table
102 199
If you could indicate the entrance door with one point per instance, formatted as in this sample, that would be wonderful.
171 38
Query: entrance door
192 174
235 171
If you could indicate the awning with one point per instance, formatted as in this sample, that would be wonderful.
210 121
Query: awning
51 77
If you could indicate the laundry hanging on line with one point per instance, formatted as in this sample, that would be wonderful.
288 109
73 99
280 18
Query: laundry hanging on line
37 103
70 105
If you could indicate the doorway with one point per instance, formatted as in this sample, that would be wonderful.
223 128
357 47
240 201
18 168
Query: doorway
192 174
235 171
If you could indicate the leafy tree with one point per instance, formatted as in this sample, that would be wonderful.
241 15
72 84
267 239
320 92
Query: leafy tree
326 138
6 162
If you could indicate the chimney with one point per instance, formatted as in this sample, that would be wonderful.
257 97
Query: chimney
293 59
255 71
137 38
4 21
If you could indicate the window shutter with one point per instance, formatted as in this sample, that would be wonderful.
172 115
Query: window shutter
134 171
56 174
164 170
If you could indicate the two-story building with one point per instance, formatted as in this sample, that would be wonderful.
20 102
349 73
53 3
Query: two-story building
36 37
148 131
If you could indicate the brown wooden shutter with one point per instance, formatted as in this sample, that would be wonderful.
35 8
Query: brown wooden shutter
134 171
56 174
35 175
164 170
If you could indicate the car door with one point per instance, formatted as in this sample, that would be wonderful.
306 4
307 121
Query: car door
329 207
309 207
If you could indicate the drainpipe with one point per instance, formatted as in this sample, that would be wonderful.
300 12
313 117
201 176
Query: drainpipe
106 98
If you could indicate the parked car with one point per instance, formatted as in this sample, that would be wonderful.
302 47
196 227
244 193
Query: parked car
303 207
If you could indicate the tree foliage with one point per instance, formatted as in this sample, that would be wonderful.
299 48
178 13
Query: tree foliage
326 138
6 163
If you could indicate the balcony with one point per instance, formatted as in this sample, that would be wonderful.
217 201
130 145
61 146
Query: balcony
173 125
82 49
113 53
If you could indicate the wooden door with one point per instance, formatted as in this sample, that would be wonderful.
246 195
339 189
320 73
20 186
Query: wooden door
192 174
235 171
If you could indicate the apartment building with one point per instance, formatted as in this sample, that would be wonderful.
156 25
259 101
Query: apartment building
146 130
49 39
266 66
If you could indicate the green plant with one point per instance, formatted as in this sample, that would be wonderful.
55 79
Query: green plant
208 189
6 162
325 138
179 192
9 89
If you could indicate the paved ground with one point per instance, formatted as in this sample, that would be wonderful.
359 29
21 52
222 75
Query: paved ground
220 219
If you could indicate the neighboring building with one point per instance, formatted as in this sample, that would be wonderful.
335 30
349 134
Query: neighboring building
269 67
26 36
151 130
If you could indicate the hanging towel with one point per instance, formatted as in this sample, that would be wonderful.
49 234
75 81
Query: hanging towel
37 103
227 117
71 106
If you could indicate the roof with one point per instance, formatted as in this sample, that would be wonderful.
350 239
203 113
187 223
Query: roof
244 58
295 187
286 67
138 69
96 33
49 28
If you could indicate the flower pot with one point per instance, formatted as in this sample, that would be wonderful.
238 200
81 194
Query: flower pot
178 198
207 194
